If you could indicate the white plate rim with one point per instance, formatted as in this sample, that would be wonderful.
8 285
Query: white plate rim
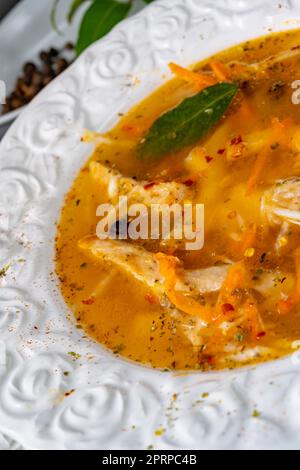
11 116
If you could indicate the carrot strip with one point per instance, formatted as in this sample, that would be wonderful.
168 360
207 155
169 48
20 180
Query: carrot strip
229 300
285 306
257 326
167 266
259 166
246 110
198 79
227 296
262 159
220 70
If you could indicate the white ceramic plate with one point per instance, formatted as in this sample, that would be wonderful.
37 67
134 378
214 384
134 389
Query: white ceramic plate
114 404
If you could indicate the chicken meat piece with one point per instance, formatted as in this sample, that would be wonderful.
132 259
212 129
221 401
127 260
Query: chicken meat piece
143 266
115 185
131 259
281 203
161 195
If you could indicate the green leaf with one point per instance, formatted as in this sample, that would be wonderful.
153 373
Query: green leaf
188 123
99 20
75 5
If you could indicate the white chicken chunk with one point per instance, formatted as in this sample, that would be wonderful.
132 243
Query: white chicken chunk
281 203
243 355
202 281
131 259
115 185
143 266
162 195
281 206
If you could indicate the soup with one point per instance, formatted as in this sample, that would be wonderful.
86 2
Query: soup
235 148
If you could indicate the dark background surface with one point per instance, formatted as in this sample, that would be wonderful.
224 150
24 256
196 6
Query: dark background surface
6 5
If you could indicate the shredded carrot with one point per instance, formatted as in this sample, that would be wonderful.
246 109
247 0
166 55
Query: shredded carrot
198 79
285 306
220 70
253 315
227 296
262 159
246 110
229 301
280 128
258 168
167 266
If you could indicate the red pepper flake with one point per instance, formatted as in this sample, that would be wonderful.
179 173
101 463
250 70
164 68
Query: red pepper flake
151 299
221 151
208 158
205 360
237 140
89 301
128 127
150 185
189 183
232 215
227 308
210 360
260 335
